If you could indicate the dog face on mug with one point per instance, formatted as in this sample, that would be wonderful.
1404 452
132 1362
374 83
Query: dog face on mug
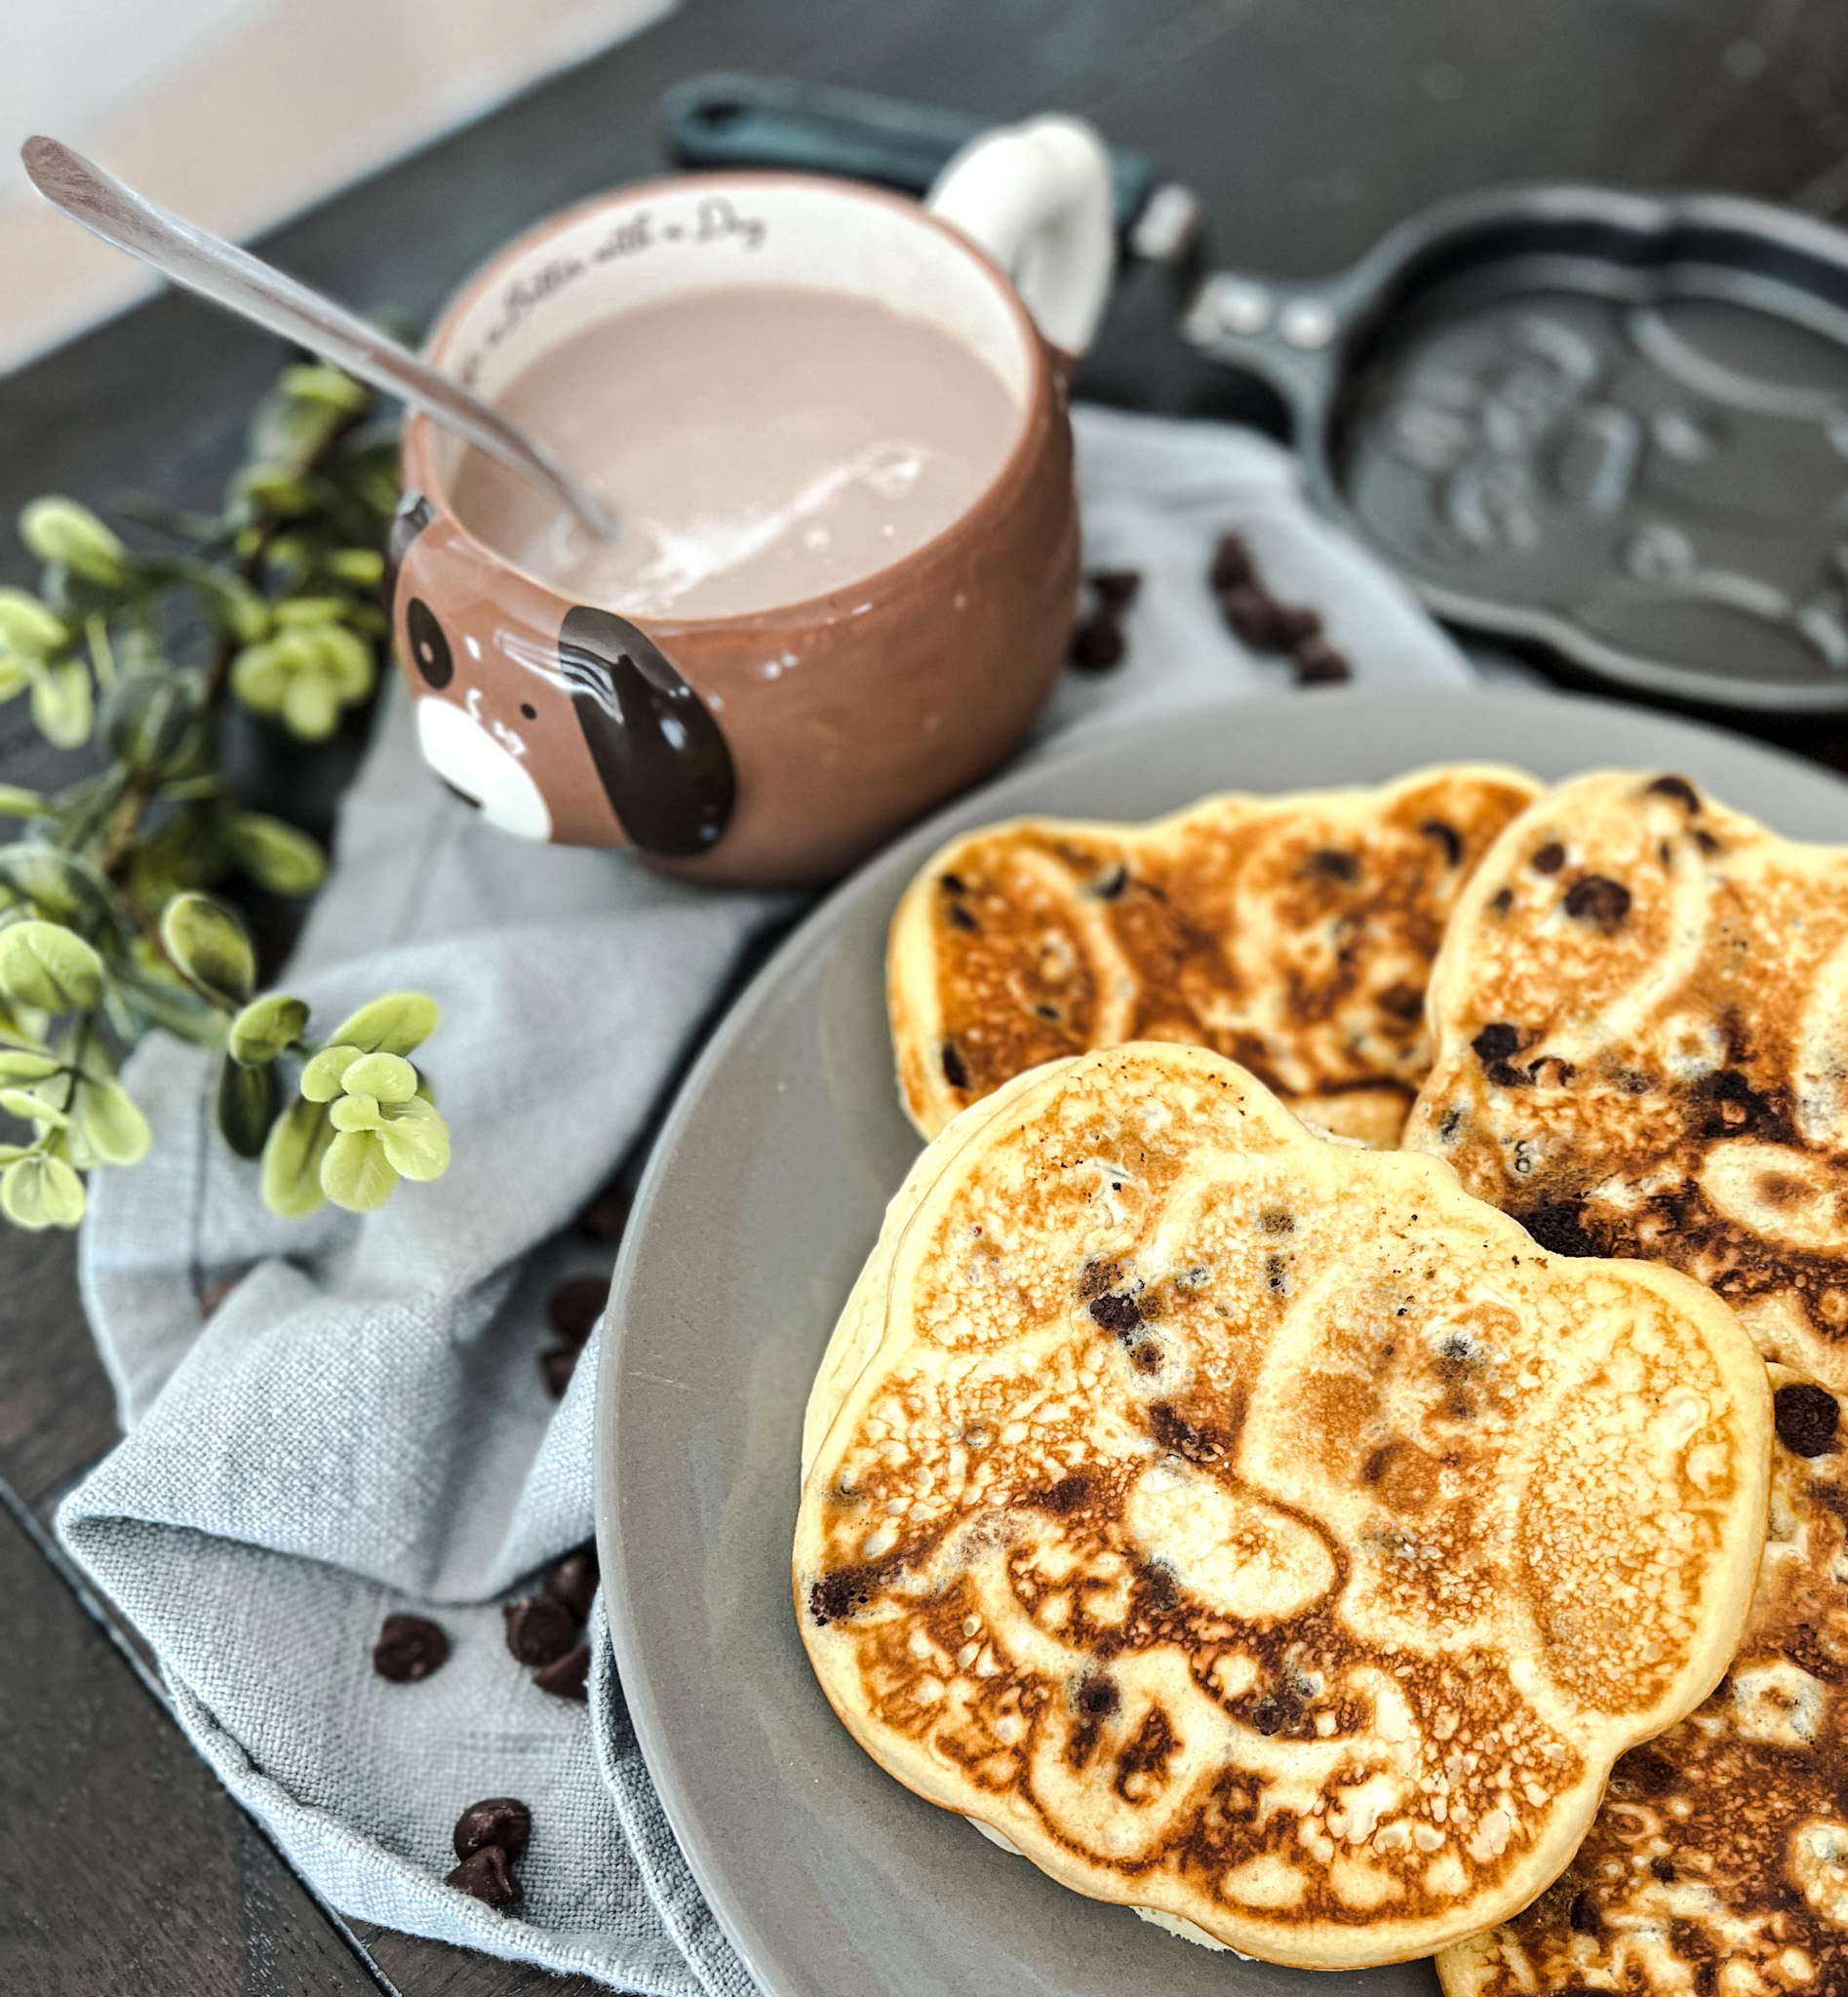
587 734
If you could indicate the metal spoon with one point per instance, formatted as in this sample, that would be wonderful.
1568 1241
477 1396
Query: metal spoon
232 277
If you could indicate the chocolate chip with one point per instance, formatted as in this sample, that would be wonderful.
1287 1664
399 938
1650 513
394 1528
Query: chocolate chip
1116 1314
1505 1074
1296 625
1807 1418
1319 664
1663 1868
504 1821
953 883
1678 787
1098 1698
558 1363
1446 836
1581 1917
574 1582
1231 563
1550 858
1277 1221
1097 643
607 1214
1594 899
1252 616
1451 1124
1556 1229
1117 588
1108 886
1706 841
408 1648
954 1072
1496 1043
569 1677
487 1875
539 1629
1503 901
960 919
575 1306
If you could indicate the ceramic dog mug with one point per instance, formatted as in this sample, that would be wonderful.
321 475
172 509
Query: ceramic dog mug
774 744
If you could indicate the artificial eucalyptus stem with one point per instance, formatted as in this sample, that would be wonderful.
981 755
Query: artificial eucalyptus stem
107 929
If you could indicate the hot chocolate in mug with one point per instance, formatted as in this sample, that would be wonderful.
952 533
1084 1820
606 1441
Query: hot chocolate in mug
917 573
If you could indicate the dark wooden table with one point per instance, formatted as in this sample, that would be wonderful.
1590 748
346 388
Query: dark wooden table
1307 125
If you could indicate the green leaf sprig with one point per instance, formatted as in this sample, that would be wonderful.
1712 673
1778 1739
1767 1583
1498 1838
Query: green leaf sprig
107 925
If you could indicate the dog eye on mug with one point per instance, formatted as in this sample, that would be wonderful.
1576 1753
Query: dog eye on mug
429 649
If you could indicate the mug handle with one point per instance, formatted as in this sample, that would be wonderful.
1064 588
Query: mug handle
1037 198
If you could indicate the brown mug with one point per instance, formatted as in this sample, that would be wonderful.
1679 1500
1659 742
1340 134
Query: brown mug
782 745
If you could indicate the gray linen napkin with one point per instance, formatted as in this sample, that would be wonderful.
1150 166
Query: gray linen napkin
361 1427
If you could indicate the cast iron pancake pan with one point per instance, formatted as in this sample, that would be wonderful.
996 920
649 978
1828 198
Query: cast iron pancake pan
1614 424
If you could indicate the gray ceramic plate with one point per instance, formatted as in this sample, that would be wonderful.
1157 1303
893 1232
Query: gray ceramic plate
762 1200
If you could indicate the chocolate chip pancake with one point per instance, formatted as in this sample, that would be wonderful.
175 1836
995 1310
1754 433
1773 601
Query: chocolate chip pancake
1641 1011
1722 1846
1292 933
1259 1531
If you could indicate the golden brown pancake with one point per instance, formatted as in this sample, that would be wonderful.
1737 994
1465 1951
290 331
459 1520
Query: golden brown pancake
1257 1530
1292 933
1719 1860
1641 1014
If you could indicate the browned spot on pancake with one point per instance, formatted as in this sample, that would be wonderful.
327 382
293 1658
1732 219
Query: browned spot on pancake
1558 1228
1733 1108
1095 1277
1402 1001
1207 1442
1550 858
1644 1773
1596 898
847 1591
1332 864
1070 1494
1149 1753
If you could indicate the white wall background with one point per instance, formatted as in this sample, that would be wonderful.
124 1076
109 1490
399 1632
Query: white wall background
239 113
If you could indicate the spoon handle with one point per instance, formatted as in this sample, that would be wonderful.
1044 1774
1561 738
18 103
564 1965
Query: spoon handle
231 277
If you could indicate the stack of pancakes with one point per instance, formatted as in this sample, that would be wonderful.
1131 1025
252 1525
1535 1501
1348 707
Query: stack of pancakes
1338 1554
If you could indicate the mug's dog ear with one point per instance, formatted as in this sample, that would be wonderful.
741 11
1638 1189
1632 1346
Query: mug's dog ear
662 757
413 515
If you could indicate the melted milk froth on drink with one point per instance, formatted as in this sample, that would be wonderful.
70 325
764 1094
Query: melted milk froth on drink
762 446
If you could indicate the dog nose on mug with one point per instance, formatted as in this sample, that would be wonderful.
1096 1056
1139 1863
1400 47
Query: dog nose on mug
662 757
468 758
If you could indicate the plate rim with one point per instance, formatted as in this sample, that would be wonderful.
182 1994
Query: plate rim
906 852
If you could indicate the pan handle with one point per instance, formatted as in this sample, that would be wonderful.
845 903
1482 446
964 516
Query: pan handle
1288 336
726 120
